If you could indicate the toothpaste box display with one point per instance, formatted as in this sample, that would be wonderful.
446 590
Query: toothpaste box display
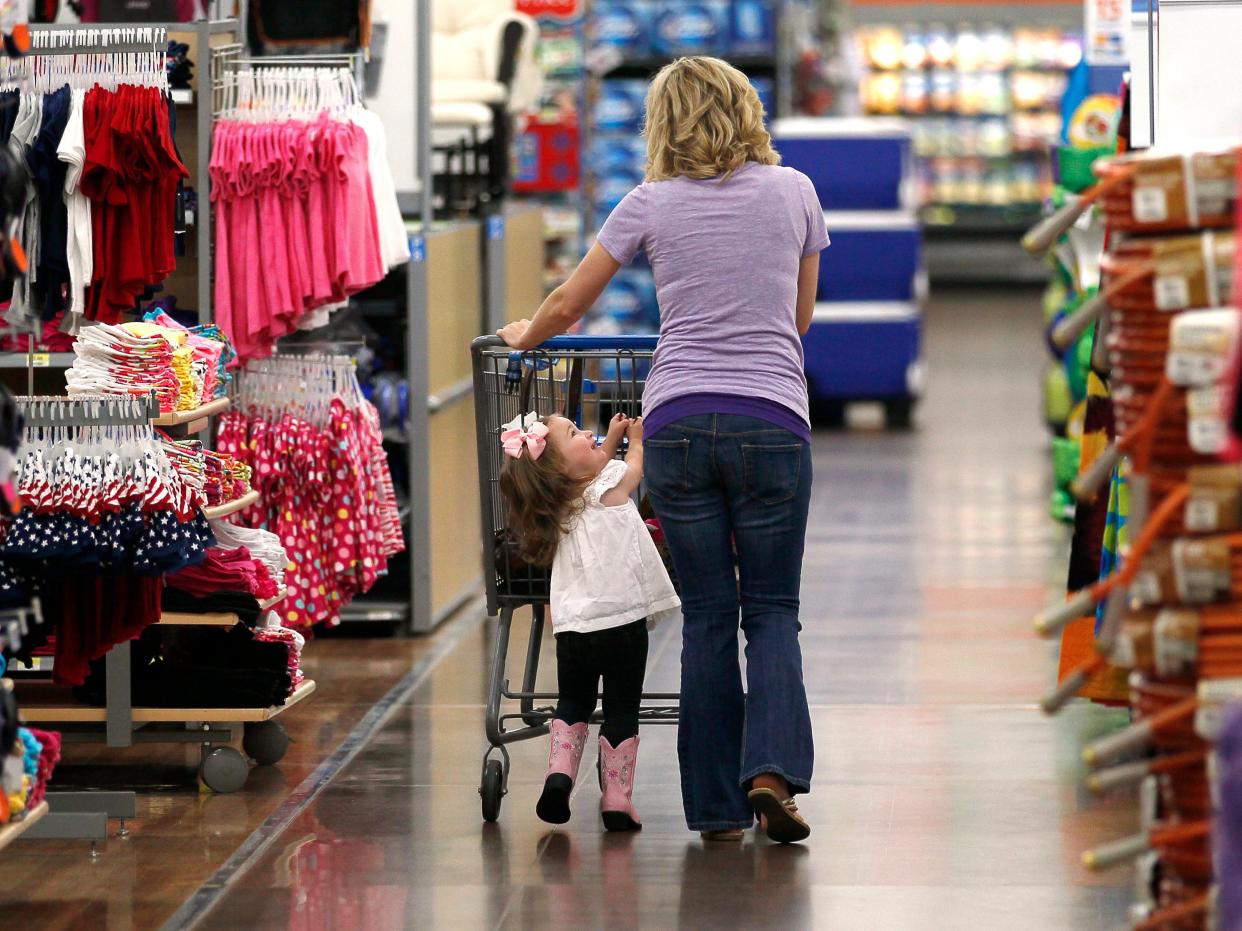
619 107
611 187
630 301
691 28
752 27
610 153
625 25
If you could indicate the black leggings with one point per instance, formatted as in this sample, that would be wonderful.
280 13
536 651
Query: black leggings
619 655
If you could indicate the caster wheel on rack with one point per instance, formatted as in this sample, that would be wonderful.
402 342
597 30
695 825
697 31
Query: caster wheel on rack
265 742
224 770
492 789
899 413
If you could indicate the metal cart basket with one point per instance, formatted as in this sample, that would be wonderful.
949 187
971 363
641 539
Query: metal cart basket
587 379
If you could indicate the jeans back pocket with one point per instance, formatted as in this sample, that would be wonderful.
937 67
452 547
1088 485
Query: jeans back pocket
771 474
666 465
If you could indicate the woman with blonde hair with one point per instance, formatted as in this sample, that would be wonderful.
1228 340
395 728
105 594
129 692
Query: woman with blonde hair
733 240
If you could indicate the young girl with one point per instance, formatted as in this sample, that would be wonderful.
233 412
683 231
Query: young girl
569 504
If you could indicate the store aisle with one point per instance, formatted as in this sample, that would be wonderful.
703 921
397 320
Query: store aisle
942 798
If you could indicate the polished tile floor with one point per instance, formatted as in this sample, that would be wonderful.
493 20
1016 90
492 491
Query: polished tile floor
942 798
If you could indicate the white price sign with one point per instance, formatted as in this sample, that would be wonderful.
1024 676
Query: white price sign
1106 32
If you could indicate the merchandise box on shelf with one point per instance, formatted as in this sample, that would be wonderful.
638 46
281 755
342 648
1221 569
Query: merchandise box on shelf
855 163
874 256
697 27
864 351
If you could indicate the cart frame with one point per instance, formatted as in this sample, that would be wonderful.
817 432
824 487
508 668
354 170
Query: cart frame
587 379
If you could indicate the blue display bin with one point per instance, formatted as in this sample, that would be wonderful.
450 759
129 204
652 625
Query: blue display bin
867 351
874 256
854 163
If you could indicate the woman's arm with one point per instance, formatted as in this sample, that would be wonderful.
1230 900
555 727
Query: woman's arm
566 305
808 284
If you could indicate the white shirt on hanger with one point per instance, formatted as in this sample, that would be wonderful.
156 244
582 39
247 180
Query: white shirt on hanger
394 244
79 245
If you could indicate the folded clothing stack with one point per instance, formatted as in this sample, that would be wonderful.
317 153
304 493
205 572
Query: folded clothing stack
243 604
226 478
114 360
225 570
184 366
186 458
208 344
294 641
201 667
264 546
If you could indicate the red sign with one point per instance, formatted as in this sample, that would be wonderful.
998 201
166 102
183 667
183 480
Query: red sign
558 9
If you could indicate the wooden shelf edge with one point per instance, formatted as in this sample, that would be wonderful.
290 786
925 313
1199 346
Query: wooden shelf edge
85 714
232 507
11 832
214 618
189 619
268 603
179 418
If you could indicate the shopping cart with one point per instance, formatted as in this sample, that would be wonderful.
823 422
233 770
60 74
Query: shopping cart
588 380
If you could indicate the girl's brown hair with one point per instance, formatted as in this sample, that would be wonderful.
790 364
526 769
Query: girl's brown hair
704 120
541 500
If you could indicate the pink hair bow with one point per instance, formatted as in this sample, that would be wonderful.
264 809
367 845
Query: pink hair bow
533 439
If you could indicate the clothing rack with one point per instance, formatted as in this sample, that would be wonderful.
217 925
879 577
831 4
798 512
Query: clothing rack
232 64
89 410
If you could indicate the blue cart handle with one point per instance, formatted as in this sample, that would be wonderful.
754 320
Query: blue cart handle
563 343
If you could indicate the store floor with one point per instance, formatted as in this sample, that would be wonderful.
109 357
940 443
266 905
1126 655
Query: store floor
942 798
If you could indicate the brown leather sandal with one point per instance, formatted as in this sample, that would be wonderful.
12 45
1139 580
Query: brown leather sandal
731 835
778 818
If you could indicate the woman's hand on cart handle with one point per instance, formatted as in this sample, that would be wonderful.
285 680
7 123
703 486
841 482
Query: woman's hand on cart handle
513 333
566 305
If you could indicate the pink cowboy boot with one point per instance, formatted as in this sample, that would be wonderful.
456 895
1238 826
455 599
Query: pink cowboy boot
616 776
568 741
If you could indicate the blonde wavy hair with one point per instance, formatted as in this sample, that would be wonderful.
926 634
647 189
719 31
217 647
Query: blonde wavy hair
704 120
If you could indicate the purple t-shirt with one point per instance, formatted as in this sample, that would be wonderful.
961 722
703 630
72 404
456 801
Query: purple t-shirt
725 256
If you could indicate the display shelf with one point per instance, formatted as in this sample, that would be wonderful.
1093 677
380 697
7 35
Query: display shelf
191 417
40 360
11 832
232 507
213 618
979 218
69 712
646 65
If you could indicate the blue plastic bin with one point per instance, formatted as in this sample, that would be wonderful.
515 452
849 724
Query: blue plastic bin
864 351
874 256
854 163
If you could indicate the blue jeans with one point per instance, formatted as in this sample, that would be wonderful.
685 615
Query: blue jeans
720 481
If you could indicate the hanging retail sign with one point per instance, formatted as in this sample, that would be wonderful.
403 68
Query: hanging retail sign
554 9
1107 25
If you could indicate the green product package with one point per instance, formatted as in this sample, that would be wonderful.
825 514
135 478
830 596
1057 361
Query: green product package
1065 453
1058 401
1075 166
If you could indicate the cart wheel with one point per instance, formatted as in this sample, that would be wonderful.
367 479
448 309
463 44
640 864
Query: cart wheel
492 789
899 413
224 770
265 742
